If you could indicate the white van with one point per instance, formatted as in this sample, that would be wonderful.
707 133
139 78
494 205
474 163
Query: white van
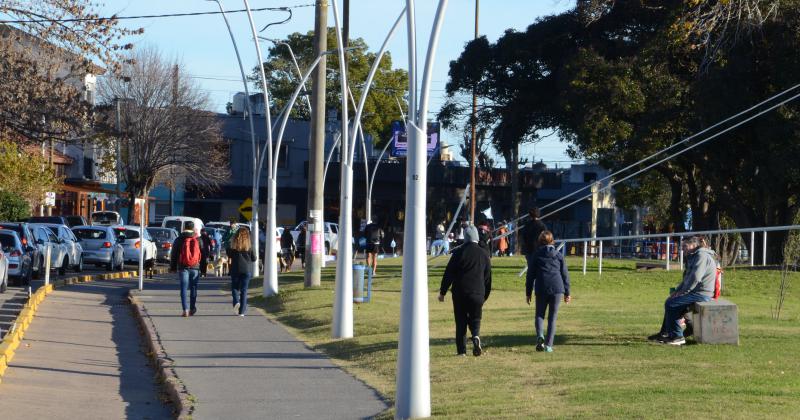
105 218
178 222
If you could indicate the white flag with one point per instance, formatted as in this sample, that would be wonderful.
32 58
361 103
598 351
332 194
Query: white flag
488 213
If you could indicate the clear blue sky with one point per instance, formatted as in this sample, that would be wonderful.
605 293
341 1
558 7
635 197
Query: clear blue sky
203 45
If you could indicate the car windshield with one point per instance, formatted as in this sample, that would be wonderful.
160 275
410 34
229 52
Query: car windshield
8 242
46 219
104 217
15 228
131 234
173 224
90 233
161 235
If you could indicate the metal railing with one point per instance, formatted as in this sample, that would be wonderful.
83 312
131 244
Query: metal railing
666 245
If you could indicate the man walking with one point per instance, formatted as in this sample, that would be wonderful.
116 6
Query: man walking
470 274
185 259
374 235
530 240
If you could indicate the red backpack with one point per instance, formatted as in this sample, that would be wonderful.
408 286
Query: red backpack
190 252
718 282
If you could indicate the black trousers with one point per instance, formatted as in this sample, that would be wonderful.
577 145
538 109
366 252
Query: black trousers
467 310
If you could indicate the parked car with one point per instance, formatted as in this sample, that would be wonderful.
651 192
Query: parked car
26 236
73 221
3 272
46 239
20 265
164 237
105 218
331 235
132 244
100 246
59 220
178 222
74 257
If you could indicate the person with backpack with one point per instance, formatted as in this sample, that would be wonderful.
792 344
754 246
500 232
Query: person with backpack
374 235
185 259
548 278
242 259
699 285
469 272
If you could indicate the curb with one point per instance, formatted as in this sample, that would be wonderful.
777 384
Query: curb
174 387
13 338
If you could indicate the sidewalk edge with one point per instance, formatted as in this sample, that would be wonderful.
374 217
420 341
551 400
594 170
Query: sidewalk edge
175 388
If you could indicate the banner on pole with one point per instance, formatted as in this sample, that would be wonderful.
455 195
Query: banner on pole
400 138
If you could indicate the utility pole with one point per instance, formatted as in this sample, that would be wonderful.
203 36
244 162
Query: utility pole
119 152
175 106
474 121
315 241
346 23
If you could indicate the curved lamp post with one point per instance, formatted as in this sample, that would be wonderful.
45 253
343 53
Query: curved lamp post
413 397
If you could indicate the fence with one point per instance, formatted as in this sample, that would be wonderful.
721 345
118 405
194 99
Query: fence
667 246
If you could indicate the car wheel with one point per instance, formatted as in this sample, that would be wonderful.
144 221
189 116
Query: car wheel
64 264
40 272
79 267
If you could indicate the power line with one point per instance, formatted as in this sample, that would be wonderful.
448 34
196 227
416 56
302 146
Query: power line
115 17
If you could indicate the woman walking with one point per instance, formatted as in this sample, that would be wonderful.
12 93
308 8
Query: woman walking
550 280
241 257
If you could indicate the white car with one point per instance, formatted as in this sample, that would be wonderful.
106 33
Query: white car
74 257
331 235
46 239
178 223
105 218
132 244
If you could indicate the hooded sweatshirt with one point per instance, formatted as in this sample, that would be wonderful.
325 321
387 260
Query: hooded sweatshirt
469 270
700 273
550 276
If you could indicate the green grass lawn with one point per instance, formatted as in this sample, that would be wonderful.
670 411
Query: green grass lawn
602 365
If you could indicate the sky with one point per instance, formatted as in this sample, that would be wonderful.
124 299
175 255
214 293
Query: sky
203 46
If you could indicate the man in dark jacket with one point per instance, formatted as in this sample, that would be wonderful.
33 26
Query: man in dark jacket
470 273
187 274
374 235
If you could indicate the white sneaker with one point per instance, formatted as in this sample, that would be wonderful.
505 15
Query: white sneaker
236 309
241 314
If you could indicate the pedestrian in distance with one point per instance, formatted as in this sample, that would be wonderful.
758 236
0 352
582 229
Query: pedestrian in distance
548 278
301 246
185 260
699 285
206 250
287 250
217 240
502 241
469 272
242 259
374 235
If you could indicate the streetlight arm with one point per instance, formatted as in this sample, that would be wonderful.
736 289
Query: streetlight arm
330 155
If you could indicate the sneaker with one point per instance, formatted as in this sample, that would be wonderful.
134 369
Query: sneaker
241 314
185 314
540 343
548 349
658 337
476 346
236 309
192 312
674 341
461 354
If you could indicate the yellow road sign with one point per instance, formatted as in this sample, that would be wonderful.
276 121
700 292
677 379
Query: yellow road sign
246 209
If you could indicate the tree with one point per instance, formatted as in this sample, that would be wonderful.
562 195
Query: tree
44 56
380 108
25 173
163 130
13 207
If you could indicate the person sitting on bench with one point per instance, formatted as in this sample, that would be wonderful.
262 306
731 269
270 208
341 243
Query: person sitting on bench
697 286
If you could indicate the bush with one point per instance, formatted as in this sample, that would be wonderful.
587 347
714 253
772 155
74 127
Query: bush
13 207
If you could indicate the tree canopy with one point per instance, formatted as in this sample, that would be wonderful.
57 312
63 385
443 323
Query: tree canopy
380 108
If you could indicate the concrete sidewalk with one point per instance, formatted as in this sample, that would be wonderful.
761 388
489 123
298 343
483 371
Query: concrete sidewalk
81 358
250 367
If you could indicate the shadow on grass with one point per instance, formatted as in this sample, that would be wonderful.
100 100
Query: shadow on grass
519 340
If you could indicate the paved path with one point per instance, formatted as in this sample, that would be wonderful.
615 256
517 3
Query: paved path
81 359
250 367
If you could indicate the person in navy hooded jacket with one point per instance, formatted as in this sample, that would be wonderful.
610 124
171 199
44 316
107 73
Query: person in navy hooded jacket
549 280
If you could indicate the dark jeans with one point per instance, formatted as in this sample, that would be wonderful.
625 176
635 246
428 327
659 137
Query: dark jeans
203 264
674 308
239 284
542 303
189 278
467 310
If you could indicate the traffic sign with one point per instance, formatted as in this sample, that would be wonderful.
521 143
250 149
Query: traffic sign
246 209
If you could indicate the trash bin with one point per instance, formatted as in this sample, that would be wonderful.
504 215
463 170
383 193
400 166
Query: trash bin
358 282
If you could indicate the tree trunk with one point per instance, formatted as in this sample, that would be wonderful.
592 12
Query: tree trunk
514 167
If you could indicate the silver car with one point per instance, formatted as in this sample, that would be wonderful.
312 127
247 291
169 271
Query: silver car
20 265
132 244
74 257
100 246
164 238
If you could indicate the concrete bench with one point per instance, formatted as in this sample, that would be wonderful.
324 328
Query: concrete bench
716 322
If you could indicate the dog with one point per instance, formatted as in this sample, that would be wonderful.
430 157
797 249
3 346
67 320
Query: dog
149 268
286 259
220 267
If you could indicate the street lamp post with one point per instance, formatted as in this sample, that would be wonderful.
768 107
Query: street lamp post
413 362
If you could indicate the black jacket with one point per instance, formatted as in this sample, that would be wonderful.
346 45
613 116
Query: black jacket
241 262
469 272
530 235
175 253
550 274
